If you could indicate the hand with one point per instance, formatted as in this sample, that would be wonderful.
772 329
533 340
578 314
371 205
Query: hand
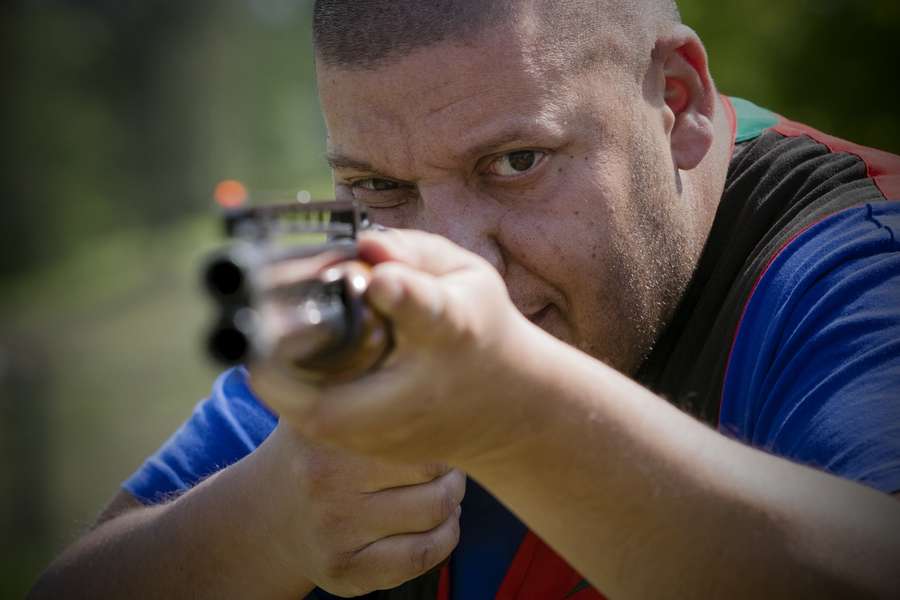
449 388
362 524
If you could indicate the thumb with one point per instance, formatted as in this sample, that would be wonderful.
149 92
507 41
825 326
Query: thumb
425 251
415 302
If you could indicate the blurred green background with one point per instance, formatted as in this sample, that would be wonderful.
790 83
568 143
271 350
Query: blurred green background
119 118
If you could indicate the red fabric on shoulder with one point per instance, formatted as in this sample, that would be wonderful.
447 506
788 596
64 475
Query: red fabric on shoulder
539 573
883 167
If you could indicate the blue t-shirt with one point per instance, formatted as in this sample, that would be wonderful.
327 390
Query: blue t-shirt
814 373
814 376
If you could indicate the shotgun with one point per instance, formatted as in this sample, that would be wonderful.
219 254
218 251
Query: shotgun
289 286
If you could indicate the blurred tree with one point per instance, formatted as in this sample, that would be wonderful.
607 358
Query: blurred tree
98 136
120 115
829 63
125 113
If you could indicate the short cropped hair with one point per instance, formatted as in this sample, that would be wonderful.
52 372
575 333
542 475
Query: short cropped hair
363 34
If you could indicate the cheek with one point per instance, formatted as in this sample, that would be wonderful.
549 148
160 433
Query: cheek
403 216
565 249
566 234
574 259
576 243
392 218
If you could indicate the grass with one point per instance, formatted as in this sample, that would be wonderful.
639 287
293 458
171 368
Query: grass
104 352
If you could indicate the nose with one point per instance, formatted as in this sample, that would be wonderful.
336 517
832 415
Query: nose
465 217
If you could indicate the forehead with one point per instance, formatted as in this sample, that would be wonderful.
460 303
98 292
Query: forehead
451 94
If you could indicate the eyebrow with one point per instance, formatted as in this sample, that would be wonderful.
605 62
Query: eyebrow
510 135
336 160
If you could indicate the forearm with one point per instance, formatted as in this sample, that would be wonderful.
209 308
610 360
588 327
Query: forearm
216 541
646 502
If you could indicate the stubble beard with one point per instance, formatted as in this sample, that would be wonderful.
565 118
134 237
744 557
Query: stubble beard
657 255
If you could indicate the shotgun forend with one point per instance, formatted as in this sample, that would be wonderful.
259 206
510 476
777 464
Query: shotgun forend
289 287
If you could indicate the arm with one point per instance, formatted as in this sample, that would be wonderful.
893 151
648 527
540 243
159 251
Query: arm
287 515
214 541
642 499
657 502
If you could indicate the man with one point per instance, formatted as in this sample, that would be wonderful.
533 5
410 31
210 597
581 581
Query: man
623 222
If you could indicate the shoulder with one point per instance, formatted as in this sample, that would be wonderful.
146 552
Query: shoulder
829 250
788 189
783 145
817 347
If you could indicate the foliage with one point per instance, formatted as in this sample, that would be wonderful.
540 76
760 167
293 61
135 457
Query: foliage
122 115
829 63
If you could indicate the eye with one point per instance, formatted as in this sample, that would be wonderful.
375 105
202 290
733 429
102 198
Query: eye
380 193
516 163
376 185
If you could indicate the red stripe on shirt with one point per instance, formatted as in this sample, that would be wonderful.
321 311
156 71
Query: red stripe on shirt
539 573
883 167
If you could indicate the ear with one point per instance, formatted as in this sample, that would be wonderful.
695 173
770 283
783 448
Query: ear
689 95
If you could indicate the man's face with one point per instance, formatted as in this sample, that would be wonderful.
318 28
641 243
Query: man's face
562 181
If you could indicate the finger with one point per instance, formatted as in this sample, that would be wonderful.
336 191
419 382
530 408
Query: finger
381 476
396 559
414 301
363 415
416 508
285 273
283 394
363 474
356 473
424 251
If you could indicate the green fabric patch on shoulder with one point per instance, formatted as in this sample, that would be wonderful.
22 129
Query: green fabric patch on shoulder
752 120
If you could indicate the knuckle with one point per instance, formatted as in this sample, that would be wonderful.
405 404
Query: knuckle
332 520
461 331
338 566
458 487
319 473
434 547
431 471
454 533
422 556
442 505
